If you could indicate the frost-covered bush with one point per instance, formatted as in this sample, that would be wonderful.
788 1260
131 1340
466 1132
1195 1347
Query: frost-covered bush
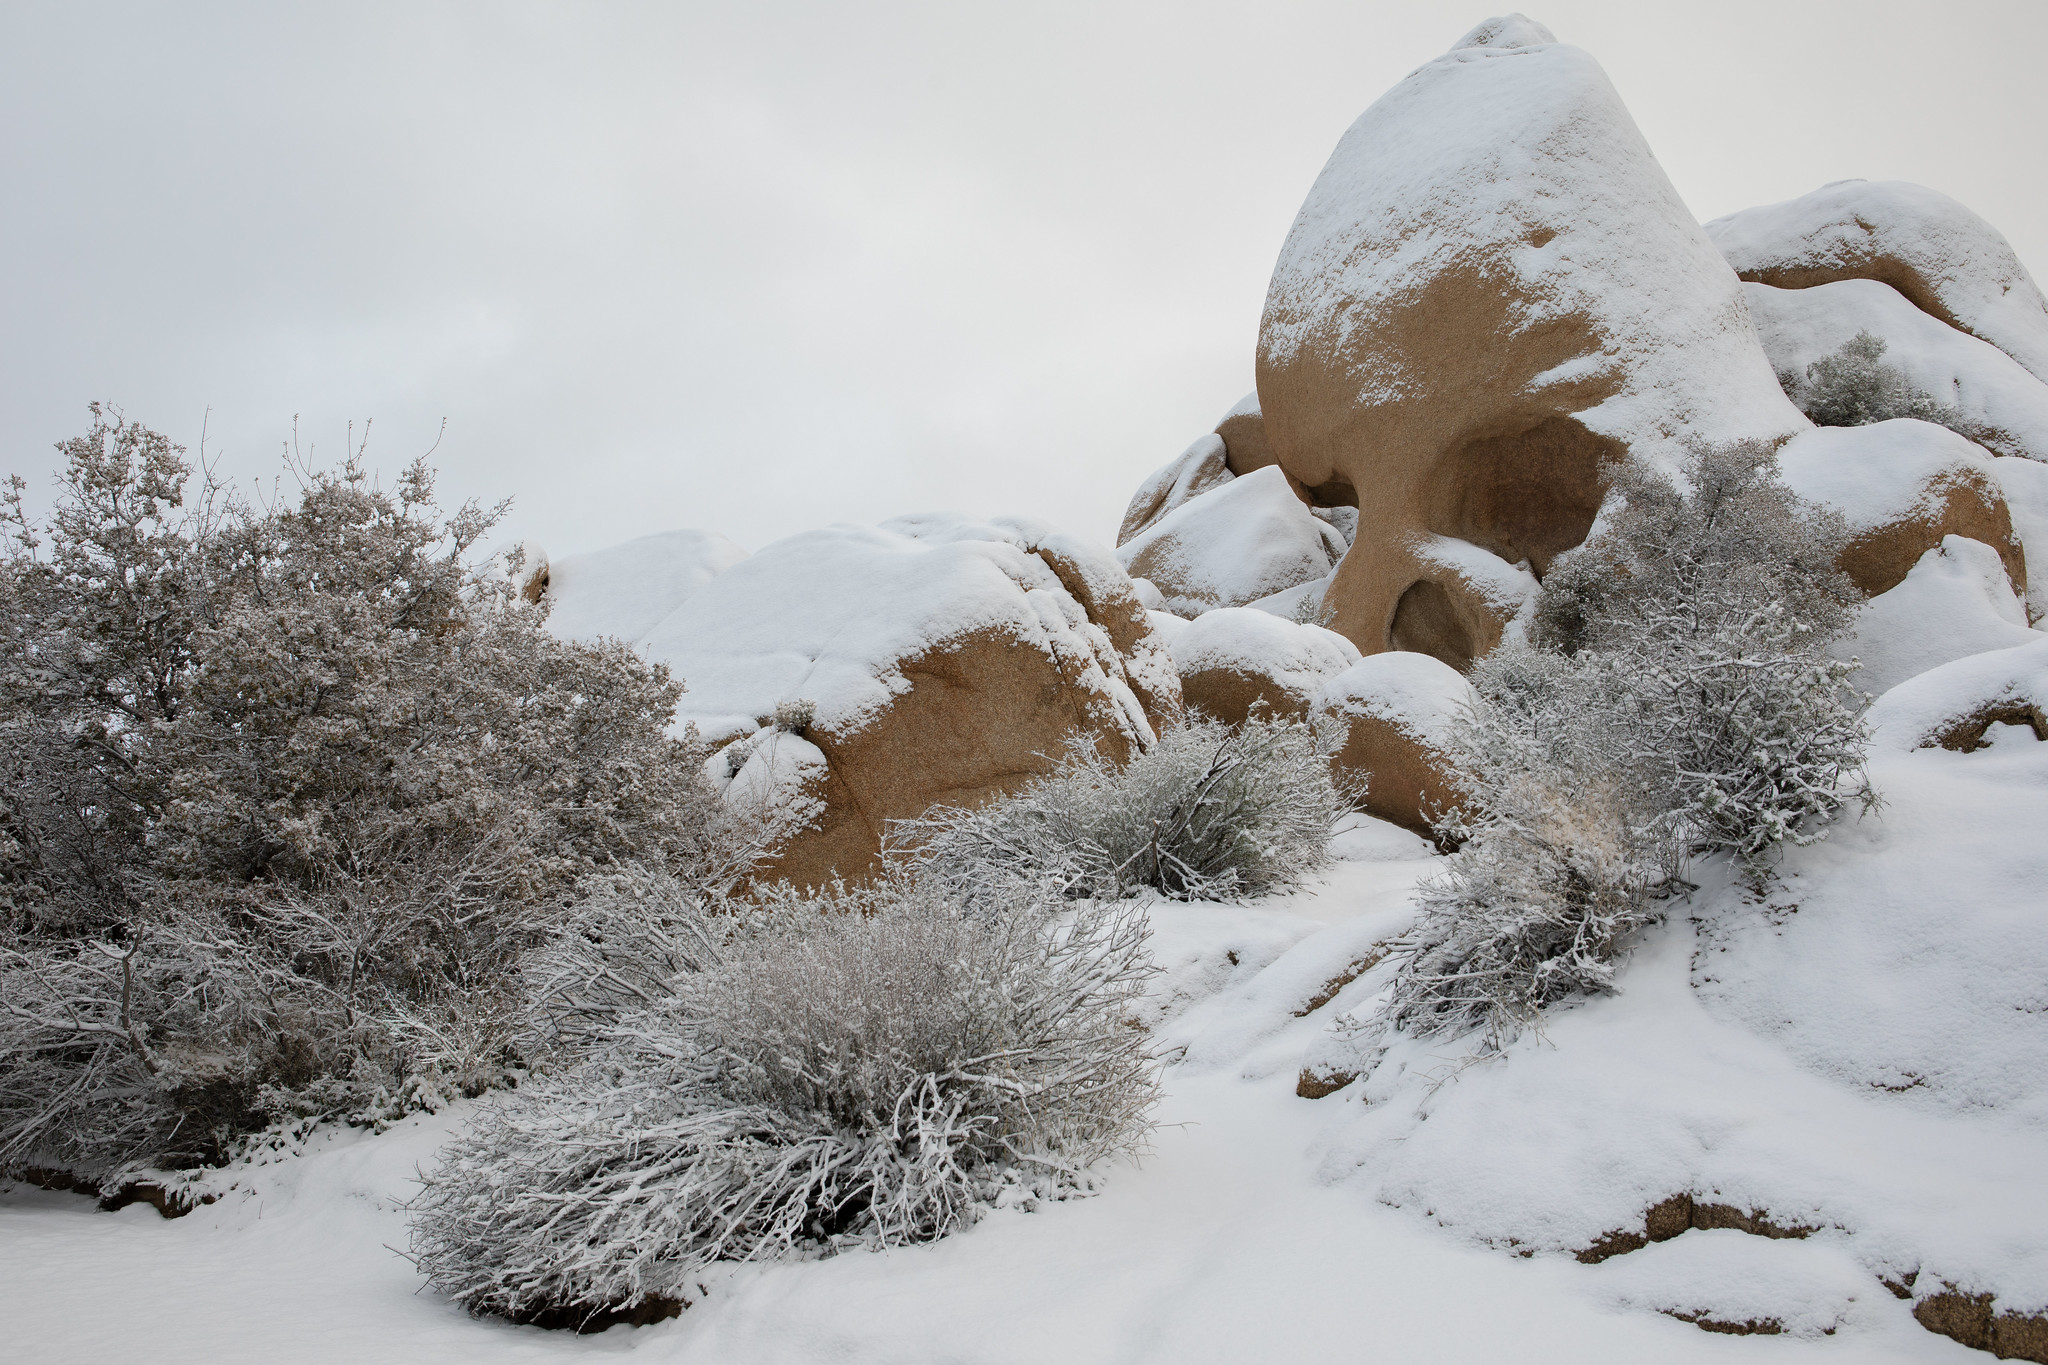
290 794
866 1068
1855 387
1677 701
1701 616
1551 873
1209 812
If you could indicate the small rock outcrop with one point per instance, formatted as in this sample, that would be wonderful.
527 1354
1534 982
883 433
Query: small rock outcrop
1397 710
867 674
1904 486
1491 293
1957 601
1238 658
1947 261
1241 540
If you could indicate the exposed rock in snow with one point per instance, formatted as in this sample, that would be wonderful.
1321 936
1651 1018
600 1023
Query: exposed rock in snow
1243 430
1236 657
2025 485
1491 292
1902 485
1956 602
521 563
946 660
2000 406
1398 709
1187 476
1958 705
624 592
1240 541
1946 260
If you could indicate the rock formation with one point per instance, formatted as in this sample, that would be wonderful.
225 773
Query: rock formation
1904 486
1491 293
1240 540
1397 710
1237 658
930 660
1949 262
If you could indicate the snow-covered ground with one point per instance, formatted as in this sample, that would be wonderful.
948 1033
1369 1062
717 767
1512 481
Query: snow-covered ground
1862 1054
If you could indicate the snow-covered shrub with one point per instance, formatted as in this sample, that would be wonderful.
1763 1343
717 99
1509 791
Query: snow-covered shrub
1209 812
1701 617
1551 873
865 1068
290 794
1677 701
1855 387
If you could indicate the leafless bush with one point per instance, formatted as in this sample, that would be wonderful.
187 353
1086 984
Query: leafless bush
1210 812
866 1068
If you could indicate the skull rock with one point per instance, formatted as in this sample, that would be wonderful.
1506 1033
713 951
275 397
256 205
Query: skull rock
1491 294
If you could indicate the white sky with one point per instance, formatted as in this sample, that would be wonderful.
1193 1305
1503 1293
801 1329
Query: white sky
757 267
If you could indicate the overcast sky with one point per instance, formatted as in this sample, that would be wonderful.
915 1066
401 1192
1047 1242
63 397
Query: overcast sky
757 267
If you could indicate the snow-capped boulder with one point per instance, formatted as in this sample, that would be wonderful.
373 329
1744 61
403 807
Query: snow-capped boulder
1459 612
520 563
1492 292
1946 260
1957 705
1235 658
1243 430
1398 710
1956 602
1241 540
1903 486
1187 476
933 659
1996 402
623 593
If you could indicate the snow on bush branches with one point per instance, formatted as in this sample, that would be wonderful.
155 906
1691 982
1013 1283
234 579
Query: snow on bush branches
1677 701
864 1068
1210 812
287 797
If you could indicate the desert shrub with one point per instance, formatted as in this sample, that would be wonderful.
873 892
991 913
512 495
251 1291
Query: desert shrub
865 1068
1677 701
1551 872
291 793
1209 812
1855 387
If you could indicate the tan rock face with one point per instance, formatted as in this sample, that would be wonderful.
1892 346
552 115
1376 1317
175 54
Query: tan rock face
1491 294
947 661
1243 430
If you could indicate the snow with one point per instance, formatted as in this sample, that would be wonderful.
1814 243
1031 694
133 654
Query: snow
2005 406
1505 587
1911 714
1247 640
2025 485
1881 474
830 616
1872 228
623 593
1418 692
1240 541
1748 1055
1955 602
1247 406
1517 162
